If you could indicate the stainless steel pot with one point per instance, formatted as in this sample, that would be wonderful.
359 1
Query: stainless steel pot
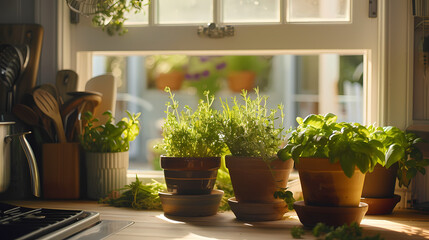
5 158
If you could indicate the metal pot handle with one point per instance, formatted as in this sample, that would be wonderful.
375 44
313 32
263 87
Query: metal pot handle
31 159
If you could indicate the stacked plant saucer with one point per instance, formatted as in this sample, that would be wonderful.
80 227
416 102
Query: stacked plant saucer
190 182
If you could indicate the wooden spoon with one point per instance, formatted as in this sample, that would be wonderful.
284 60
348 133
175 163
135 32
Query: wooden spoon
66 81
49 106
26 114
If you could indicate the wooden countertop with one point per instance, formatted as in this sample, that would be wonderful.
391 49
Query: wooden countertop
402 224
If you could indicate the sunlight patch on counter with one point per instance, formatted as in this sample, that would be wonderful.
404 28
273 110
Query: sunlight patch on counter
394 226
164 218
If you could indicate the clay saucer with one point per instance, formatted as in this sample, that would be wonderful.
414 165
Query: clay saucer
191 205
380 206
332 216
258 211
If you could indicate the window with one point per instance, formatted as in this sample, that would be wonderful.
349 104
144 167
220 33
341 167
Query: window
295 47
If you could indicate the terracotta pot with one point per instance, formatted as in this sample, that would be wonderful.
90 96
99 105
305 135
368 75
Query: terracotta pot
253 181
380 183
325 184
241 80
173 80
190 175
379 190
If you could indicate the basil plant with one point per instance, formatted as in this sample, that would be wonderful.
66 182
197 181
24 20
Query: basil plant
323 137
400 147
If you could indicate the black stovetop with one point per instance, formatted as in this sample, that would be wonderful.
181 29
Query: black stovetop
29 223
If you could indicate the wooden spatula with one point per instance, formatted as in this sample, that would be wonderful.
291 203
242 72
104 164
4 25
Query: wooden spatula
49 106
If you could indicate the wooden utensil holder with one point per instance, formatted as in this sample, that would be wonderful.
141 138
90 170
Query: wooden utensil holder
61 171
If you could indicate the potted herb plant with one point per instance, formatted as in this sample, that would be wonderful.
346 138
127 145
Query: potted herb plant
403 161
243 70
254 134
193 147
106 152
332 159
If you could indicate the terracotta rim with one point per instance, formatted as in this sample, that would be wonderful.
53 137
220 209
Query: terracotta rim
190 163
317 164
240 162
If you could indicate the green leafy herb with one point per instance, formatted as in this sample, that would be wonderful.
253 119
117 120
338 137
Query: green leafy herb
192 134
287 196
400 147
297 232
110 137
345 232
137 195
112 14
347 143
249 127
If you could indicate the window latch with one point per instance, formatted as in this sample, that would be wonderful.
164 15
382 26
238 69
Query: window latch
212 30
372 8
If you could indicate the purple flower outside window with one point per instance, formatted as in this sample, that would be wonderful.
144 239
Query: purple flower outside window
221 65
205 73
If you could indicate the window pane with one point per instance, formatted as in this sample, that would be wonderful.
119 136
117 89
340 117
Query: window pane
184 11
138 18
318 11
245 11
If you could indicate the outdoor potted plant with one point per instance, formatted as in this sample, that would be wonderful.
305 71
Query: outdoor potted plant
332 159
403 161
253 138
193 147
243 70
106 152
167 70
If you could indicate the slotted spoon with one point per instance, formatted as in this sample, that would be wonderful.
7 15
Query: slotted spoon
49 106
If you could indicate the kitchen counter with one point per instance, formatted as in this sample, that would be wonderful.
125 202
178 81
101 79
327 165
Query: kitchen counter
402 224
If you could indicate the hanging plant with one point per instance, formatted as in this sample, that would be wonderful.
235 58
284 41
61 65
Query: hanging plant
111 14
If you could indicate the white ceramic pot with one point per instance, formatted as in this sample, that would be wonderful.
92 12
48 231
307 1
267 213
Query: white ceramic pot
105 172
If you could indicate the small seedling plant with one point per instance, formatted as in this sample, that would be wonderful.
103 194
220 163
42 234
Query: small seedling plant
322 137
189 133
